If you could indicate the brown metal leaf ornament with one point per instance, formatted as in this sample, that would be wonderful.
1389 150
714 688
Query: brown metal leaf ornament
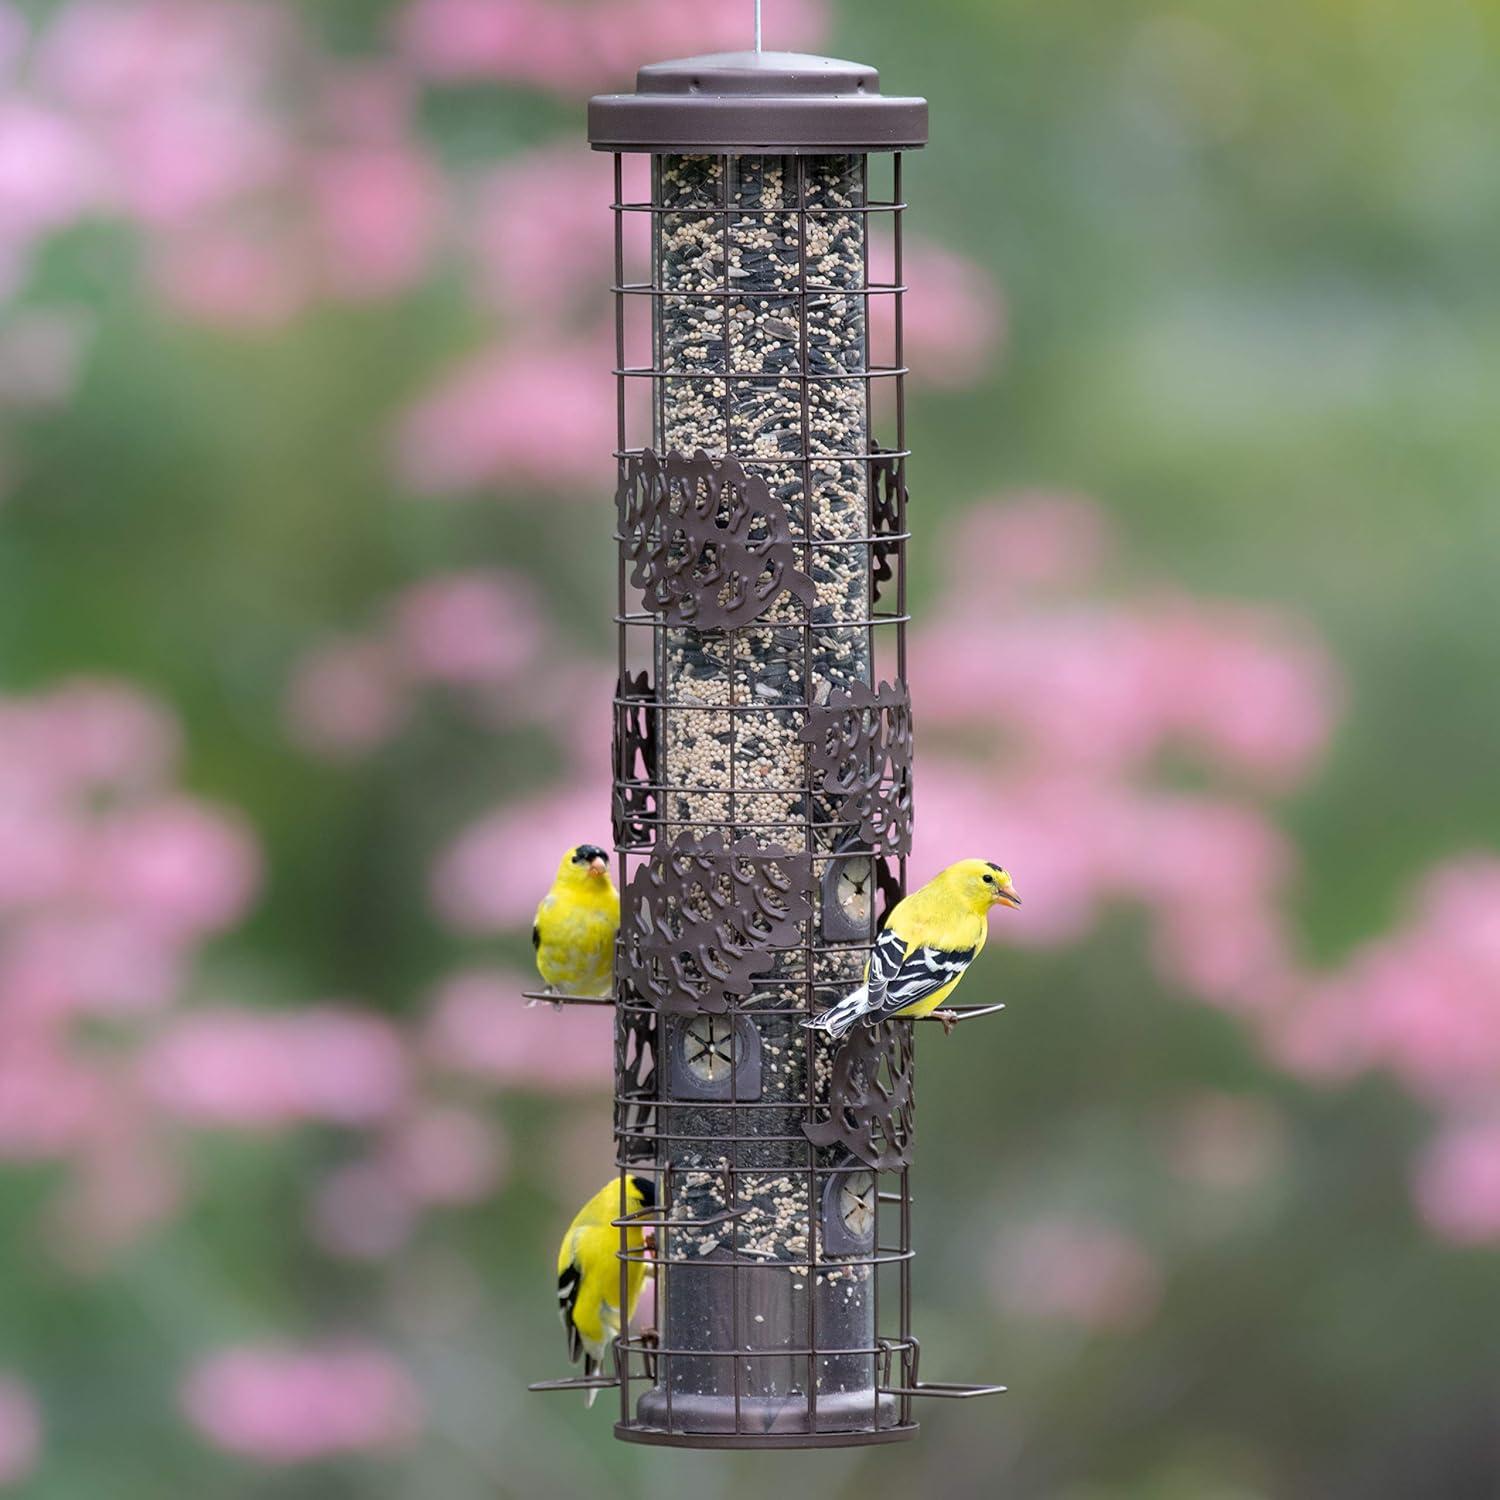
887 516
860 751
700 922
710 546
636 796
870 1108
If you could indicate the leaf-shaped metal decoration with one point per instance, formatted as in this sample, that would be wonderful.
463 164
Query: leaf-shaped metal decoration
701 921
870 1109
636 795
887 516
860 750
709 545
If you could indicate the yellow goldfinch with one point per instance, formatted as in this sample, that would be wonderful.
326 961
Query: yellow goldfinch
928 942
575 927
588 1272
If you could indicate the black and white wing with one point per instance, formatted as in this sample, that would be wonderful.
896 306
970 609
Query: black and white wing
899 979
568 1283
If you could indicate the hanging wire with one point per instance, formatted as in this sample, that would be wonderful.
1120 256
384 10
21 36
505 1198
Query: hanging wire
757 25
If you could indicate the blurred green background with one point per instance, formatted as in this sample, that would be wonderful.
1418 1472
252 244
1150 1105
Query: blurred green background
1246 254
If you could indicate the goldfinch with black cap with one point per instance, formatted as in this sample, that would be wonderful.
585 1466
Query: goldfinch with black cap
925 949
588 1271
575 927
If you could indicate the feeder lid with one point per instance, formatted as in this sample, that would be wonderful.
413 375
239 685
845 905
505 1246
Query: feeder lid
757 101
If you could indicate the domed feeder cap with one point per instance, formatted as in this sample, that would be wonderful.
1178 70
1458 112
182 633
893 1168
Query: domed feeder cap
757 101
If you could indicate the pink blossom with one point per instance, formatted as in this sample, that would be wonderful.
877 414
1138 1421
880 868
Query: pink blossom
20 1431
234 277
346 698
1029 540
444 1154
284 1405
495 872
1458 1183
576 48
49 1101
542 231
1423 1001
953 318
369 101
522 414
261 1070
104 734
1076 1270
478 627
479 1025
14 37
376 210
361 1212
49 172
1226 1141
177 864
66 962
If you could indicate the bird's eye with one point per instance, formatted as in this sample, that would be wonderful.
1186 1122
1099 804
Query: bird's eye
989 880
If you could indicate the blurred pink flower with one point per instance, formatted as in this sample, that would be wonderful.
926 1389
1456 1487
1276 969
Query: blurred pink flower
49 1102
576 48
177 865
541 231
495 872
50 173
261 1070
104 734
518 415
235 277
283 1405
20 1431
479 1025
1423 1001
102 962
444 1154
1225 1141
377 212
479 627
1076 1270
347 697
1458 1183
360 1212
369 101
122 1185
953 318
1029 540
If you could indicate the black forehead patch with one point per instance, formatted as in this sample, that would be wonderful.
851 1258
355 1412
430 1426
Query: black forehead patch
996 868
585 852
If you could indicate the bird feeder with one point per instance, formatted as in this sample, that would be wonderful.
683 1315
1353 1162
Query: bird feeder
762 747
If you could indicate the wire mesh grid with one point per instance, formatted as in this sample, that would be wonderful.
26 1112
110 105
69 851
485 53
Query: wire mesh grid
762 759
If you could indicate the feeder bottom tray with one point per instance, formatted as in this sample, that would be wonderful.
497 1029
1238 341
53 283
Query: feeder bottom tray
843 1417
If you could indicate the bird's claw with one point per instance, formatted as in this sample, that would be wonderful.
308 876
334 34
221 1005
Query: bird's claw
949 1018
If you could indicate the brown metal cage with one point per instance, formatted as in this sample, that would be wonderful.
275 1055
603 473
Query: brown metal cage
762 750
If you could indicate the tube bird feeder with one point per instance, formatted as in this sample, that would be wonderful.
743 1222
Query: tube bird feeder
762 747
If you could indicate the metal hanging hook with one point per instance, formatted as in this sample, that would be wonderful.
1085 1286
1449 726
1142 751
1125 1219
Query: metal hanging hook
757 25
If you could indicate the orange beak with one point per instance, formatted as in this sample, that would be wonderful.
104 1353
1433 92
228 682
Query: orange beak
1007 896
598 867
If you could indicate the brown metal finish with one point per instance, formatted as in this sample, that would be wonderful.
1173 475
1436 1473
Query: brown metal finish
747 102
870 1097
711 546
762 755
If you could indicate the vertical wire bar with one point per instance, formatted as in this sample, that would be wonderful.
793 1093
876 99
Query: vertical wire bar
736 1363
898 272
622 1363
809 977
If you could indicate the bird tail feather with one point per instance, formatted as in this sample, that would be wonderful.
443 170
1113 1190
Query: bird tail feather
590 1368
841 1018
